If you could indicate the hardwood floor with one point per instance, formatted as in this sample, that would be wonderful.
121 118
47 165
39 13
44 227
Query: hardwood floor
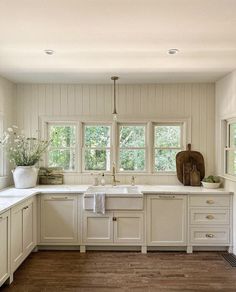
123 271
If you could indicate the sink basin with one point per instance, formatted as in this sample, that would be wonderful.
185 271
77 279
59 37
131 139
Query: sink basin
116 190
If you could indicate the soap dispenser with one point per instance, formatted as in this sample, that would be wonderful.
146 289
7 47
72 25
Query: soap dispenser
103 181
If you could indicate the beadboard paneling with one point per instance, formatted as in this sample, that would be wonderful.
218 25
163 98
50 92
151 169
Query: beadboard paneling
7 102
157 101
225 108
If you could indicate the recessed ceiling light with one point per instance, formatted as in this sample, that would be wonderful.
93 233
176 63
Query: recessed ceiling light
172 51
49 52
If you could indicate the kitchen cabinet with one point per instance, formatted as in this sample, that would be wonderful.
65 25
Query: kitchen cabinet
210 218
58 219
23 231
128 227
97 228
166 220
4 247
113 228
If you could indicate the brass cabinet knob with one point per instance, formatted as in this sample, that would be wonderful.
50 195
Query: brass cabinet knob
210 217
210 202
210 235
114 218
25 207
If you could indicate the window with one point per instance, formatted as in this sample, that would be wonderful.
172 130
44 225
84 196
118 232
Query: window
132 147
142 147
231 148
62 151
167 143
97 147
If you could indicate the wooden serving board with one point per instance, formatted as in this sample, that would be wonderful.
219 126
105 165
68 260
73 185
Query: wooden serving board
189 157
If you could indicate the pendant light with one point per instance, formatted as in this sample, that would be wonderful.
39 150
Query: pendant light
114 78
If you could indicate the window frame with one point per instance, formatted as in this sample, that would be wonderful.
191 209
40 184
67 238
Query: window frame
76 148
79 121
120 124
154 148
227 147
83 147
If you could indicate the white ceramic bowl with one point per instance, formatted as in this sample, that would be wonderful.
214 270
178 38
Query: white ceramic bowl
211 185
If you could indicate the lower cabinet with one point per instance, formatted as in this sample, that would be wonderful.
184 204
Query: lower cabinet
97 228
113 227
210 218
23 231
166 220
58 219
4 247
128 227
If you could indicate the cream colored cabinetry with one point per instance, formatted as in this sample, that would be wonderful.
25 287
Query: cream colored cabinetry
210 220
97 228
23 231
128 227
58 219
4 247
113 228
166 220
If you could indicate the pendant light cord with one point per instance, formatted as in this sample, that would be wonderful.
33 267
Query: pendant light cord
114 78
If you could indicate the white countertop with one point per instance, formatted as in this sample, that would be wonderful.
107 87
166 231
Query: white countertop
10 197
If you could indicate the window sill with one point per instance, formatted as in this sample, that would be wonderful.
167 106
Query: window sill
122 173
228 177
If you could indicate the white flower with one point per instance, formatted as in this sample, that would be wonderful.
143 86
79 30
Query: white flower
10 130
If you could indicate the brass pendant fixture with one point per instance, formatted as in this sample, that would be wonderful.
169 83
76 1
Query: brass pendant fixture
114 78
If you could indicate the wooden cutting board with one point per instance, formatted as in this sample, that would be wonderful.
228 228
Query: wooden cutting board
186 158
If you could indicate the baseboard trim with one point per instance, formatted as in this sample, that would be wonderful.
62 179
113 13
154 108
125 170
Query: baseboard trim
131 248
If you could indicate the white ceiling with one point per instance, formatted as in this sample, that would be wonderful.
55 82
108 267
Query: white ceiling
94 39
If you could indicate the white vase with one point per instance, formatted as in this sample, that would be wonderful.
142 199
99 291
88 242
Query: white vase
25 177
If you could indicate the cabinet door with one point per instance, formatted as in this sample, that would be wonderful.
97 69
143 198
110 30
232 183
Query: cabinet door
166 220
128 227
58 219
4 247
23 231
17 248
97 228
28 227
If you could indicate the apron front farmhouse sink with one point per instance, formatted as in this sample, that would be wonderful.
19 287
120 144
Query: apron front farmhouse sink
117 197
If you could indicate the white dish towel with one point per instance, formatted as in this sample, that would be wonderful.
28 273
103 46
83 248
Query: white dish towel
99 203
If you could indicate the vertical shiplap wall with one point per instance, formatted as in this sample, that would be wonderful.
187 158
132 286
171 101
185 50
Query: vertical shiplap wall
195 101
226 108
7 114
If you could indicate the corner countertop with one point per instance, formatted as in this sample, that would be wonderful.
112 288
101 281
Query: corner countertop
10 197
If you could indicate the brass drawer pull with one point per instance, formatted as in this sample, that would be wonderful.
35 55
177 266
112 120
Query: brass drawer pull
59 198
25 207
166 196
210 217
114 218
210 235
210 202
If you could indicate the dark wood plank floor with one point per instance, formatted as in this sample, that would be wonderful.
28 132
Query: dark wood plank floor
123 271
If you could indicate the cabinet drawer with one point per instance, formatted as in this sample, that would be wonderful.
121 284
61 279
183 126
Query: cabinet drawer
210 201
209 216
209 235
